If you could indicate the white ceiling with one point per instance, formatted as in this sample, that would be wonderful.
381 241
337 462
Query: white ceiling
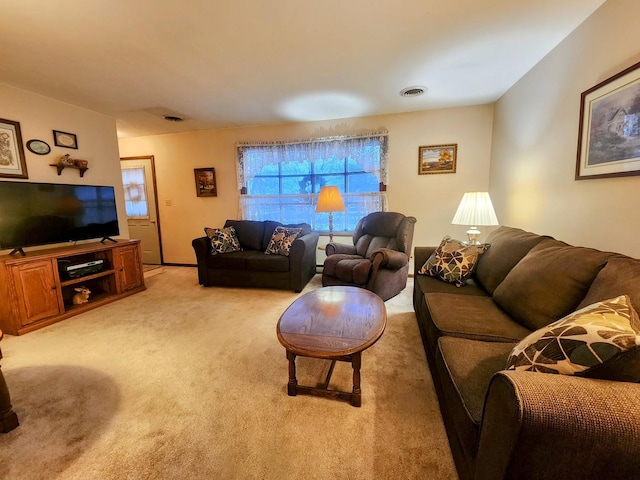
227 63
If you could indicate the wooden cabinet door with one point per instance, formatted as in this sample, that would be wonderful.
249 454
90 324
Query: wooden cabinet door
37 291
128 267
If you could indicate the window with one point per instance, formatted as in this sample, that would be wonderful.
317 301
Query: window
281 181
135 196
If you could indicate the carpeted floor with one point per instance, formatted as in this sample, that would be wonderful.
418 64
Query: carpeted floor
183 382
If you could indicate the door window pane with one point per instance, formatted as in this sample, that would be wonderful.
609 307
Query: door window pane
135 192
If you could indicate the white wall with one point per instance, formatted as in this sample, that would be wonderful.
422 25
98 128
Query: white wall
96 135
432 199
535 139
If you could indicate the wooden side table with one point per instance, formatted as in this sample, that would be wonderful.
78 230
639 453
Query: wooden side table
8 418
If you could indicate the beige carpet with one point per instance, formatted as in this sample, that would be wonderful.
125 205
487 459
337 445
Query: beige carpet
183 382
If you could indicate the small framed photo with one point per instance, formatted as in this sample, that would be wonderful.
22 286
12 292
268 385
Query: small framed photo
65 139
609 131
437 159
206 182
12 161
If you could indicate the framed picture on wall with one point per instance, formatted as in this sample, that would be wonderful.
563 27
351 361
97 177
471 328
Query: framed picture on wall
437 159
609 131
12 161
206 182
65 139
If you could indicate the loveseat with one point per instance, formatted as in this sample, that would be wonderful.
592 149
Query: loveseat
528 422
249 265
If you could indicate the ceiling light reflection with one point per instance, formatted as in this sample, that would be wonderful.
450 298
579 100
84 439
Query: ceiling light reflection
323 106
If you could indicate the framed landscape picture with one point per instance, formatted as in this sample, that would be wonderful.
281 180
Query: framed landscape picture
609 132
12 161
437 159
206 182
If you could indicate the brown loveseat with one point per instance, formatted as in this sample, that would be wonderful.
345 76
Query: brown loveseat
513 424
251 266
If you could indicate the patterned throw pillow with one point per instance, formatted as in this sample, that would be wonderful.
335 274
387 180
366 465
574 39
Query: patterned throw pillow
584 341
453 261
281 240
223 240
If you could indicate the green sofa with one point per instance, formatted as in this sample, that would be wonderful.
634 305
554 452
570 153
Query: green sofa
513 424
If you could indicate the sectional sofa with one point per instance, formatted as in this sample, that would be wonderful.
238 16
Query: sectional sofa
529 422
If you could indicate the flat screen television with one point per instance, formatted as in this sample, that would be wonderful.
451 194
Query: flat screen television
44 213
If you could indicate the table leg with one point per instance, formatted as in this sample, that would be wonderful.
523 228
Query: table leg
293 383
356 395
8 418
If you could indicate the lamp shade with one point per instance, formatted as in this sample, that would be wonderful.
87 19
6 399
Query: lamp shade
330 200
475 209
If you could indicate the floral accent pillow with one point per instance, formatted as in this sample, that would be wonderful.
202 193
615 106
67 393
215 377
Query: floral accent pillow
281 241
223 240
586 340
453 261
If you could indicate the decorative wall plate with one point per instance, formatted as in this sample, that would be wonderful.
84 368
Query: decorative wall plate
38 147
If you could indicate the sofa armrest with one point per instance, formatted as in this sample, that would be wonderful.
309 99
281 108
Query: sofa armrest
545 426
201 246
334 248
420 256
302 259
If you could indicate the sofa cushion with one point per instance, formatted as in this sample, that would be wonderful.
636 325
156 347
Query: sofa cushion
259 262
281 240
223 240
233 260
620 276
427 284
249 233
474 317
508 246
465 368
549 282
453 261
588 339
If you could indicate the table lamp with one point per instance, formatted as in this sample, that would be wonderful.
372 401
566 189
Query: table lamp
330 201
475 209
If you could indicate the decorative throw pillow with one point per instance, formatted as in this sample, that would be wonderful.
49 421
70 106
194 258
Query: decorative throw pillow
453 261
223 240
584 341
281 240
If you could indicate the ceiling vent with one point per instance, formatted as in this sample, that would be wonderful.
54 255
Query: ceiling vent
412 91
172 118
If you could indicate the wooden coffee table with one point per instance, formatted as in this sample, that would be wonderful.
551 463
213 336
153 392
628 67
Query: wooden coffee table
332 323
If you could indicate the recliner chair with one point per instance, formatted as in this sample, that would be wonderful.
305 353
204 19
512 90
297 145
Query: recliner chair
378 260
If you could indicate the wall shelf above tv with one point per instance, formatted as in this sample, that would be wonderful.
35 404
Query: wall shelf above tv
60 168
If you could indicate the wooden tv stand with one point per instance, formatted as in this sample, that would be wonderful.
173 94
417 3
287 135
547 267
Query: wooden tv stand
36 293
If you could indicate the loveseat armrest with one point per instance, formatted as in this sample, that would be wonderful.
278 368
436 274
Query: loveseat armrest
302 259
334 248
202 247
420 256
546 426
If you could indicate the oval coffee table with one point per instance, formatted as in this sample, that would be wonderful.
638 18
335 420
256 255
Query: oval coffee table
332 323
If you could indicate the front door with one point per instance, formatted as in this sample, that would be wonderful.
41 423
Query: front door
138 179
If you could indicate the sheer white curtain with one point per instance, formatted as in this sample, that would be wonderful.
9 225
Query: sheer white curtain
369 151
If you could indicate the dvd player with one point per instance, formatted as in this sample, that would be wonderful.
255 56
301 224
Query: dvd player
76 270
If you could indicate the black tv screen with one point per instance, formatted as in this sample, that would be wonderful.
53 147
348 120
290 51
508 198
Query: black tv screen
43 213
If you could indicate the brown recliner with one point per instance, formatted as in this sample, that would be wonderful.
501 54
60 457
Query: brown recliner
378 260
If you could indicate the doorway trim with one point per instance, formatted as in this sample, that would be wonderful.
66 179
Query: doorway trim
155 194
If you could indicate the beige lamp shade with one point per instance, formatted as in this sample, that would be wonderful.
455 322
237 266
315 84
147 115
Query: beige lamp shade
330 200
475 209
